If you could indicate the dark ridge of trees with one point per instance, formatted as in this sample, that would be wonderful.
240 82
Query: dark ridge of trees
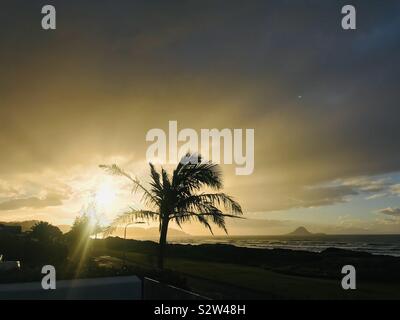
45 232
32 252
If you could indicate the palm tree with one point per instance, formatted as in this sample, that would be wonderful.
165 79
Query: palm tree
178 198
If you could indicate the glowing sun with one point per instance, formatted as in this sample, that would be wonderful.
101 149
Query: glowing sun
105 194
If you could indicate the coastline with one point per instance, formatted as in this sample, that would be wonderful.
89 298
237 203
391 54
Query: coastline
326 264
375 244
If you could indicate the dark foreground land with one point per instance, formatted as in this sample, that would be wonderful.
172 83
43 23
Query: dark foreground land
225 271
229 272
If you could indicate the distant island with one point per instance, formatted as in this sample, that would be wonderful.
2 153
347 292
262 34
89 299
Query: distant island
302 231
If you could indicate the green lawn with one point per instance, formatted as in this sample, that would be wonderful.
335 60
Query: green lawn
222 280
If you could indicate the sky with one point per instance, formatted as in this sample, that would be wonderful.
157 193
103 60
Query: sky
323 103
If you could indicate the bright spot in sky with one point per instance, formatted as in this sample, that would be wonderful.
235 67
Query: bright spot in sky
105 194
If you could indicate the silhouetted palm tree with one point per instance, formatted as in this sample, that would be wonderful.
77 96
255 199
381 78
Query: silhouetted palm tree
177 198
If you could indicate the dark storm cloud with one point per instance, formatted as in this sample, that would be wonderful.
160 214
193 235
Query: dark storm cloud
293 196
391 211
32 202
323 101
316 197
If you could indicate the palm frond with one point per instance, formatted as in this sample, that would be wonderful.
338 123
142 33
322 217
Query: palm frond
193 176
165 180
148 198
156 186
204 222
218 199
128 217
216 217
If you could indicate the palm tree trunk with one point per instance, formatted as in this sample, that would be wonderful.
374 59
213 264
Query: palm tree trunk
162 243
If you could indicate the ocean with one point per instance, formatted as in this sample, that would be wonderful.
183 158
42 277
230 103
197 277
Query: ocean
375 244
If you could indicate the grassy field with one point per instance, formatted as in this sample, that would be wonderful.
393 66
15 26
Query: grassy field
234 281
